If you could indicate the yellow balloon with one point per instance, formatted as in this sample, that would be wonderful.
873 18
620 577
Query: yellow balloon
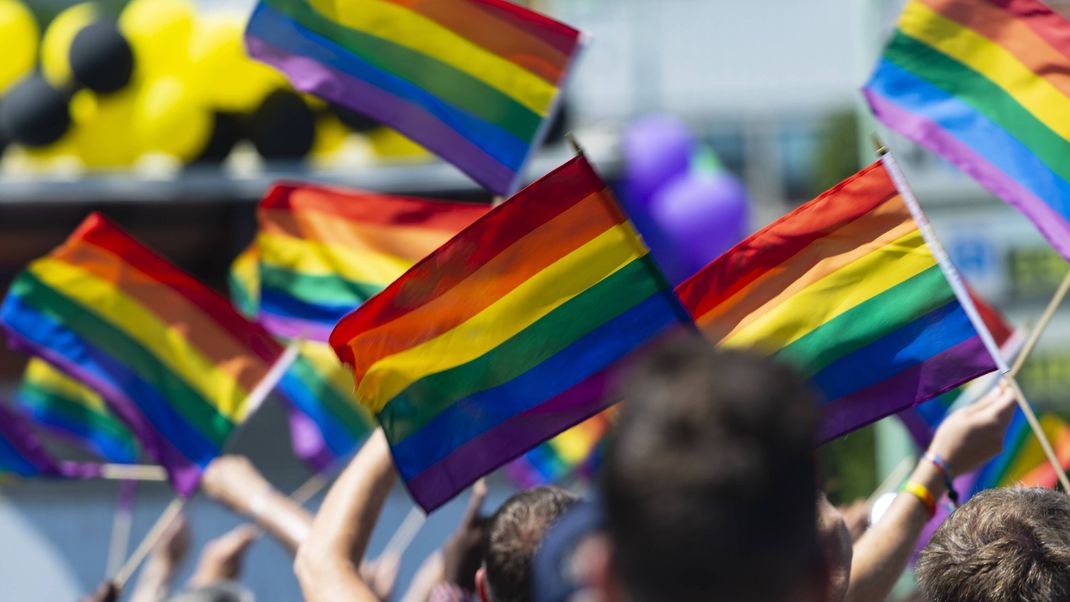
102 133
18 30
170 118
159 32
387 143
331 135
56 44
221 69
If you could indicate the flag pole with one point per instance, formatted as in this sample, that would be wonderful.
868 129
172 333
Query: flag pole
133 472
966 302
155 534
120 526
1042 325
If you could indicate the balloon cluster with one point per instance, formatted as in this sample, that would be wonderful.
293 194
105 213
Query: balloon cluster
161 80
688 207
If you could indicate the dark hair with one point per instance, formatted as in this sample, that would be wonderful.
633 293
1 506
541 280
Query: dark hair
709 484
514 535
1002 545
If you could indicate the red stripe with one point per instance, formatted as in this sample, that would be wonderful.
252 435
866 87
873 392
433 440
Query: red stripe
780 241
477 244
555 33
1048 24
97 230
372 208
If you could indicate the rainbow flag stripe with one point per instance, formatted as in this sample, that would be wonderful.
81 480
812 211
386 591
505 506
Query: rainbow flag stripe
1022 460
506 335
324 251
566 456
846 290
473 81
985 85
174 360
69 409
243 281
21 453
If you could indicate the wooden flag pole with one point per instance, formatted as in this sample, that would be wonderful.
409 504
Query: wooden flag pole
169 515
133 472
1041 326
120 526
966 302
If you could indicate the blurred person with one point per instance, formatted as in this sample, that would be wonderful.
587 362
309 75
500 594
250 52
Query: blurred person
835 542
709 485
1004 545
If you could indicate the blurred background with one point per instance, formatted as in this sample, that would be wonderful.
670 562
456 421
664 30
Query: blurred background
149 111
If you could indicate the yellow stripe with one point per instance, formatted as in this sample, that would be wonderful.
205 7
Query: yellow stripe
402 26
313 258
163 340
42 373
835 294
520 308
1036 94
326 364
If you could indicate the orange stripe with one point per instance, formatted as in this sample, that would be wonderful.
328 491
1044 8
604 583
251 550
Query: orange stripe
404 242
523 259
1016 36
186 319
838 248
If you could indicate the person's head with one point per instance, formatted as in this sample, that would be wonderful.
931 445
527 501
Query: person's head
709 484
513 537
1002 545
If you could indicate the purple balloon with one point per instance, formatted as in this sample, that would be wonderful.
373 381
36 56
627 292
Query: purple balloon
696 217
656 150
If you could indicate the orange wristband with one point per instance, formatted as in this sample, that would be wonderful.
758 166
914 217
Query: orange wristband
922 493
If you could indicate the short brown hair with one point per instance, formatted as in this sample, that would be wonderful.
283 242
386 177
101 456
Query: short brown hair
513 536
1003 545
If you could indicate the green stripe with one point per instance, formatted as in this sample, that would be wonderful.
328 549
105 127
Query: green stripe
318 289
868 322
448 83
342 407
189 404
424 399
242 297
983 95
45 401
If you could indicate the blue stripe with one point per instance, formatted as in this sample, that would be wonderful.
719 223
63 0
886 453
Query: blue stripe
335 435
109 448
899 350
280 303
468 418
973 129
47 332
289 36
992 471
11 460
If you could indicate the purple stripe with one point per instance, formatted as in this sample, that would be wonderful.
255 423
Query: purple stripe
80 470
16 430
308 442
920 430
316 78
939 374
185 476
942 142
293 328
438 484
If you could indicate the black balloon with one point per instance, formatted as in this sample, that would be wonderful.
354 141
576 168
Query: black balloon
283 127
34 113
226 132
355 121
101 58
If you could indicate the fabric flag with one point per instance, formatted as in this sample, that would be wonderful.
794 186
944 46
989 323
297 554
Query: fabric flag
984 84
173 359
23 456
846 290
71 410
923 419
326 421
324 251
568 455
1022 460
474 81
507 334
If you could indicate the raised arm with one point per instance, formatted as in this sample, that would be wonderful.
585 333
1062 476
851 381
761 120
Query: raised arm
327 562
967 439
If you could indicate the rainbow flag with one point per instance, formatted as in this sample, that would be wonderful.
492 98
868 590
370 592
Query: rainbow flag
326 421
173 359
324 251
568 455
507 334
985 85
845 289
1022 460
21 453
69 409
474 81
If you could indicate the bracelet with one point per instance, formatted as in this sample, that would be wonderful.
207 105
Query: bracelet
922 493
945 472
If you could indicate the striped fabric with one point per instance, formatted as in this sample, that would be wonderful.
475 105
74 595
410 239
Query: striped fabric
21 453
985 84
324 251
845 289
568 455
69 409
174 360
473 81
506 335
1022 460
